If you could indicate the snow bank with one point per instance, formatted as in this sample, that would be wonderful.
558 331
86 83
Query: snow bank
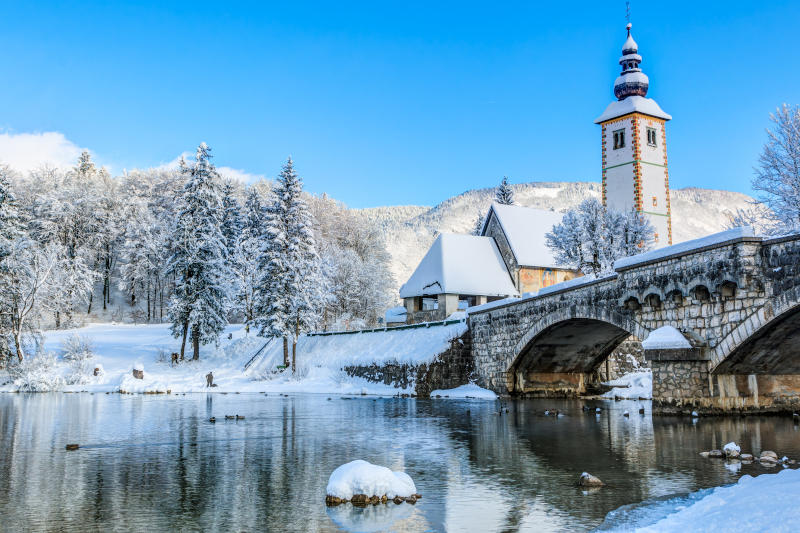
665 338
465 391
688 246
764 503
361 477
410 346
631 386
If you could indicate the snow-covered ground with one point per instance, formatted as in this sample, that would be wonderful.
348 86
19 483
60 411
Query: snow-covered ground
119 348
631 386
764 503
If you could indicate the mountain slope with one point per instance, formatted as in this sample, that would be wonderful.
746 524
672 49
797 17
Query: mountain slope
410 230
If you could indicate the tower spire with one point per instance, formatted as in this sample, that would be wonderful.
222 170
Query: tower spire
632 81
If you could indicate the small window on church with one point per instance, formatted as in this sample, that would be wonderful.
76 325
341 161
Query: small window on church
619 139
651 136
655 202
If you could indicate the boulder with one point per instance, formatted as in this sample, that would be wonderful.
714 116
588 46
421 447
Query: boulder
588 480
716 454
769 456
411 499
333 500
71 447
359 499
746 457
704 454
398 500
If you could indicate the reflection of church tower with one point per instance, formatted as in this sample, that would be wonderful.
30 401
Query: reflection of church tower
635 147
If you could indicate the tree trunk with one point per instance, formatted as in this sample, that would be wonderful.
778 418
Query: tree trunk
58 319
18 344
195 344
183 340
91 298
285 351
294 342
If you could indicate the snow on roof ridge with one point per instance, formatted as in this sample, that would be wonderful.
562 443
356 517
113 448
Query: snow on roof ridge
632 104
443 265
686 246
530 250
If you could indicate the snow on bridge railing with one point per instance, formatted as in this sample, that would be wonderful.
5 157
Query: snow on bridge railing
388 328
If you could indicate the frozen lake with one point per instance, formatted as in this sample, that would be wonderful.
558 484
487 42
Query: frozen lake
156 463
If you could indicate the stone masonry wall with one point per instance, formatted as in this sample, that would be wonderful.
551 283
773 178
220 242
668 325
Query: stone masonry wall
451 368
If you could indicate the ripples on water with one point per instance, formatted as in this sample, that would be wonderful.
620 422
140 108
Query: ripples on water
156 463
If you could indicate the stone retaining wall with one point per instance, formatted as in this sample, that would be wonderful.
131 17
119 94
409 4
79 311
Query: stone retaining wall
451 368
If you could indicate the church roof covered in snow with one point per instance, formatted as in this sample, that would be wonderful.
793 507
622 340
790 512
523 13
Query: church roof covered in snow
633 104
460 264
525 229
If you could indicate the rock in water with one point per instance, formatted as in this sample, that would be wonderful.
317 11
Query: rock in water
746 457
361 482
731 450
588 480
716 454
768 457
71 447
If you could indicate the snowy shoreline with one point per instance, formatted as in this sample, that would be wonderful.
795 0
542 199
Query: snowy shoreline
119 348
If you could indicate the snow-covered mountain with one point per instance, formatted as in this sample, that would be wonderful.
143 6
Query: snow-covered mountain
410 230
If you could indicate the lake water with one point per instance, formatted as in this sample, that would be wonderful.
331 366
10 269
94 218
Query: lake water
155 463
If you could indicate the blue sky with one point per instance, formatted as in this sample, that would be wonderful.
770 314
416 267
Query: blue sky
396 104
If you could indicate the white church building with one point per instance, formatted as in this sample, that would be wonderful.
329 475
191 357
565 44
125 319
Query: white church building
510 256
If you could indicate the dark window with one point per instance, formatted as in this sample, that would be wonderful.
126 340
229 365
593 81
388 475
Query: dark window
619 139
651 136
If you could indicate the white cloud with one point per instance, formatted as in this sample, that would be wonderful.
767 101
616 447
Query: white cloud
29 151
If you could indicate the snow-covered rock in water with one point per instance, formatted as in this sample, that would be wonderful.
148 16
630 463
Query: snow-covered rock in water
631 386
363 478
665 338
731 450
465 391
768 456
588 480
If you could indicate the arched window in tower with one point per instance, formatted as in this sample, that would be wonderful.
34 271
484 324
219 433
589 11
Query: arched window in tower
619 139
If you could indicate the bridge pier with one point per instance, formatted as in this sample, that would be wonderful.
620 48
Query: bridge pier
682 383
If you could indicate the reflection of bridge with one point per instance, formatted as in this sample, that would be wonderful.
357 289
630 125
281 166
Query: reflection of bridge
735 297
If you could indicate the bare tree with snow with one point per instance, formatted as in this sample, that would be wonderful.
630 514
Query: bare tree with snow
777 176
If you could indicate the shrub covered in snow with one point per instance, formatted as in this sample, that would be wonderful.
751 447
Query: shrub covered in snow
77 351
37 374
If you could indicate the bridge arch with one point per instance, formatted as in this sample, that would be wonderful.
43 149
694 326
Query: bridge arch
573 339
766 342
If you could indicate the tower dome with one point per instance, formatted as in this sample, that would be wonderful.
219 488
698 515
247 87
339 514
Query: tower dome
632 81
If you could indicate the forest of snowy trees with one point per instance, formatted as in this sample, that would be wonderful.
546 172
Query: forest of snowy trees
182 246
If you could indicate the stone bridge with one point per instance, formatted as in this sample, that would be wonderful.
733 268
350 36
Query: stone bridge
734 297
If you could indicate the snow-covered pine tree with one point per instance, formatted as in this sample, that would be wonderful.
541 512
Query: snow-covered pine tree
477 227
289 289
231 218
504 195
778 173
11 221
197 262
247 255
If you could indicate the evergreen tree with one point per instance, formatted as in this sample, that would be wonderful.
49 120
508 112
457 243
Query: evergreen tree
231 218
11 222
477 227
504 195
198 261
289 289
247 254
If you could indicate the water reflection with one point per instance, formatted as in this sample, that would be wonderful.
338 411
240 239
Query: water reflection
157 463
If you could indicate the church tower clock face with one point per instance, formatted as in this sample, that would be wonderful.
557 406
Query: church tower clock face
634 147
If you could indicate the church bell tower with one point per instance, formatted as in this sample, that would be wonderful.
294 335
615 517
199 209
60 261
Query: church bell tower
635 174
